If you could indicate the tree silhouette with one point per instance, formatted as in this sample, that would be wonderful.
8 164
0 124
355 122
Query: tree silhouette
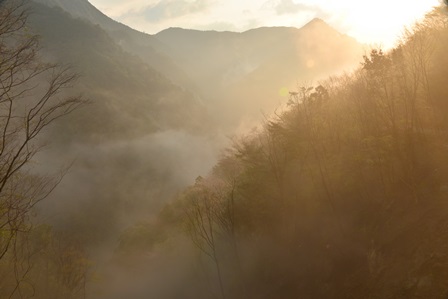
31 98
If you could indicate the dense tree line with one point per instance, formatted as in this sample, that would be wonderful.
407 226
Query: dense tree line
341 195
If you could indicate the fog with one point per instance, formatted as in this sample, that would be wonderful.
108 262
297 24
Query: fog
122 182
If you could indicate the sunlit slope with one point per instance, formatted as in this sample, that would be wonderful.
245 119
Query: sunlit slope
341 195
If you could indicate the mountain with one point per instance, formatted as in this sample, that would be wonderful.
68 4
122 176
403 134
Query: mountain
243 71
157 99
148 48
129 97
238 75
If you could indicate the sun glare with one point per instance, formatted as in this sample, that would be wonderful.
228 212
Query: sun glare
381 22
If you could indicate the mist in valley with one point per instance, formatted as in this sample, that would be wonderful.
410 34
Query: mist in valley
277 162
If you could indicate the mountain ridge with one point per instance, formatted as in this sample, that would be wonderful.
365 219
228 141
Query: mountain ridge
238 66
229 70
312 23
144 45
112 77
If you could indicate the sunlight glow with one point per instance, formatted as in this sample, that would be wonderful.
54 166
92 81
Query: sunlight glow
380 22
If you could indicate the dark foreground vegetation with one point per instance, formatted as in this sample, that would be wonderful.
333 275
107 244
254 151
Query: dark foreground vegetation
33 260
342 194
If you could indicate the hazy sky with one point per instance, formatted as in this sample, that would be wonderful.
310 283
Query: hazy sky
374 22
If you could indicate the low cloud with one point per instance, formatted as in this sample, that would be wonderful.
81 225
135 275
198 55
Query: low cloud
289 7
218 26
227 26
171 9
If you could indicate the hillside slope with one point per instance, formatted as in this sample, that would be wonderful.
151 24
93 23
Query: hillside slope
341 195
146 46
128 96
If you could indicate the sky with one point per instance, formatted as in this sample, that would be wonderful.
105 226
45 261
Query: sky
378 23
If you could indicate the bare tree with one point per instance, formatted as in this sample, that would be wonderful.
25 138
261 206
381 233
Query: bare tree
202 226
31 98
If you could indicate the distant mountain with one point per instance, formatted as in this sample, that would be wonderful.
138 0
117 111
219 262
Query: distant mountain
129 97
146 46
243 71
83 9
237 74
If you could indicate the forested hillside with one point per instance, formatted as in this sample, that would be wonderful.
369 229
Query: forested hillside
341 195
